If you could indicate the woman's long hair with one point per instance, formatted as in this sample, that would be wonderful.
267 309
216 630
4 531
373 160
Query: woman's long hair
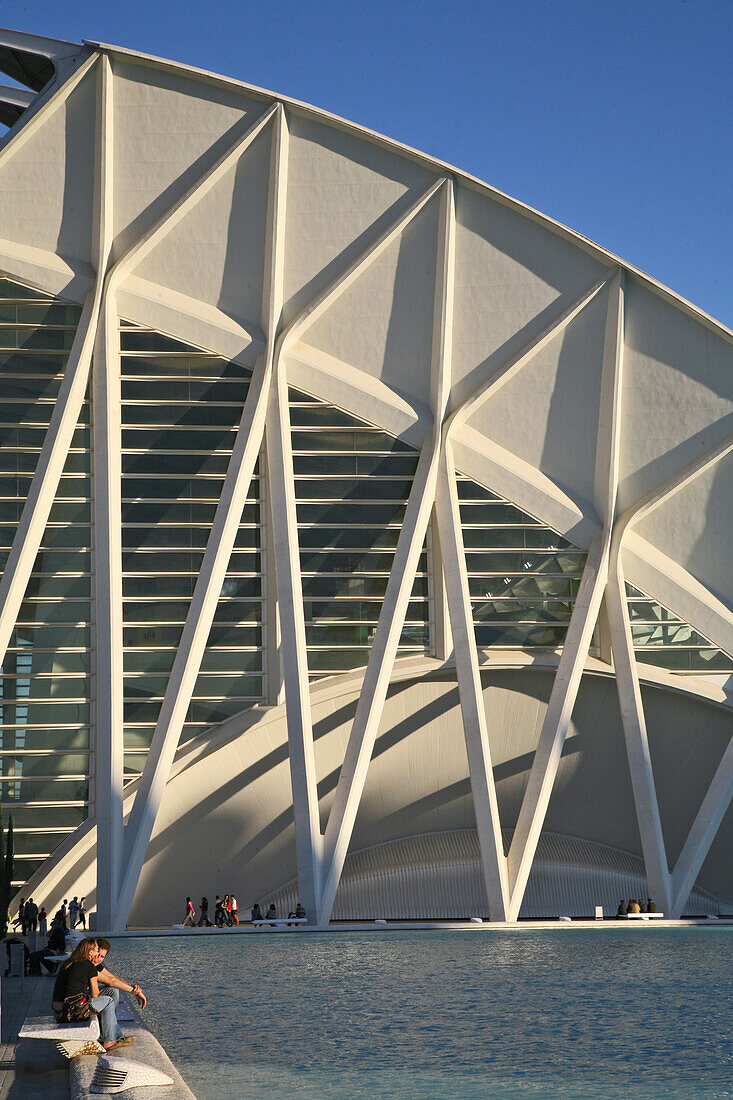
83 950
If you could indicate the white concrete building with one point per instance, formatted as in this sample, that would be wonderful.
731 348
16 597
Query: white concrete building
365 532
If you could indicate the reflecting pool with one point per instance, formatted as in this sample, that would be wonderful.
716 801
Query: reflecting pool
439 1014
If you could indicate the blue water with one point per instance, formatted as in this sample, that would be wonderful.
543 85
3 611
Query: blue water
418 1015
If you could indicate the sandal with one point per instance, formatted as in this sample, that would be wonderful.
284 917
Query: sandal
125 1041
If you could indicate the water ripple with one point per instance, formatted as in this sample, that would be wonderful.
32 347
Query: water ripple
426 1015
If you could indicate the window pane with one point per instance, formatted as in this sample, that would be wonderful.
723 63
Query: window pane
44 740
176 452
661 638
523 577
343 530
39 693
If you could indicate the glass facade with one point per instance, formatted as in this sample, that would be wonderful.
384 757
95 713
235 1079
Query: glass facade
523 577
352 482
181 408
662 638
45 687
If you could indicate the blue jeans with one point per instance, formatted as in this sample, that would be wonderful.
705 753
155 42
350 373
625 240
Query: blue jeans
106 1004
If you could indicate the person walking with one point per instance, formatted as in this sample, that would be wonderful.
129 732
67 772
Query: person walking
234 910
73 911
82 914
43 921
204 918
190 917
20 919
219 913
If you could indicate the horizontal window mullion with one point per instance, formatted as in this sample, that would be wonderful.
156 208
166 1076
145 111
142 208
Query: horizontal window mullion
72 778
44 804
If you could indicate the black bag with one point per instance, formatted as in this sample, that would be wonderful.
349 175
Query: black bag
76 1009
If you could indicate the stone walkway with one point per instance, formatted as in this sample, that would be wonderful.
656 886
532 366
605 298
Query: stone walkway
29 1070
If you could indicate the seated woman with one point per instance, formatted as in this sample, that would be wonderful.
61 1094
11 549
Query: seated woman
80 976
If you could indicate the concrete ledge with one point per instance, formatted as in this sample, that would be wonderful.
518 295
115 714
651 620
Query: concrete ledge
147 1050
46 1027
609 921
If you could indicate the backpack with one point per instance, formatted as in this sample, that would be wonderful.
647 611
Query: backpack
76 1009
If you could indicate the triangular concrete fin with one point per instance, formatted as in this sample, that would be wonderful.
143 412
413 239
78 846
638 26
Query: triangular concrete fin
227 228
364 328
47 181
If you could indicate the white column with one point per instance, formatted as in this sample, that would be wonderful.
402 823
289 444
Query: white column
501 875
632 713
224 527
107 513
399 586
475 729
108 671
585 612
283 530
637 742
556 722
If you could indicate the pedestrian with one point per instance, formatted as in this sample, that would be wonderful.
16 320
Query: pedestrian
190 916
228 909
204 918
20 919
42 921
31 916
82 914
234 909
73 911
219 913
62 913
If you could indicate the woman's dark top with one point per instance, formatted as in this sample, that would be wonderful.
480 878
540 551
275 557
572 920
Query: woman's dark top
74 979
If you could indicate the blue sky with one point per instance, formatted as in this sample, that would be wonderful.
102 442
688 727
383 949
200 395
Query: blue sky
612 117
